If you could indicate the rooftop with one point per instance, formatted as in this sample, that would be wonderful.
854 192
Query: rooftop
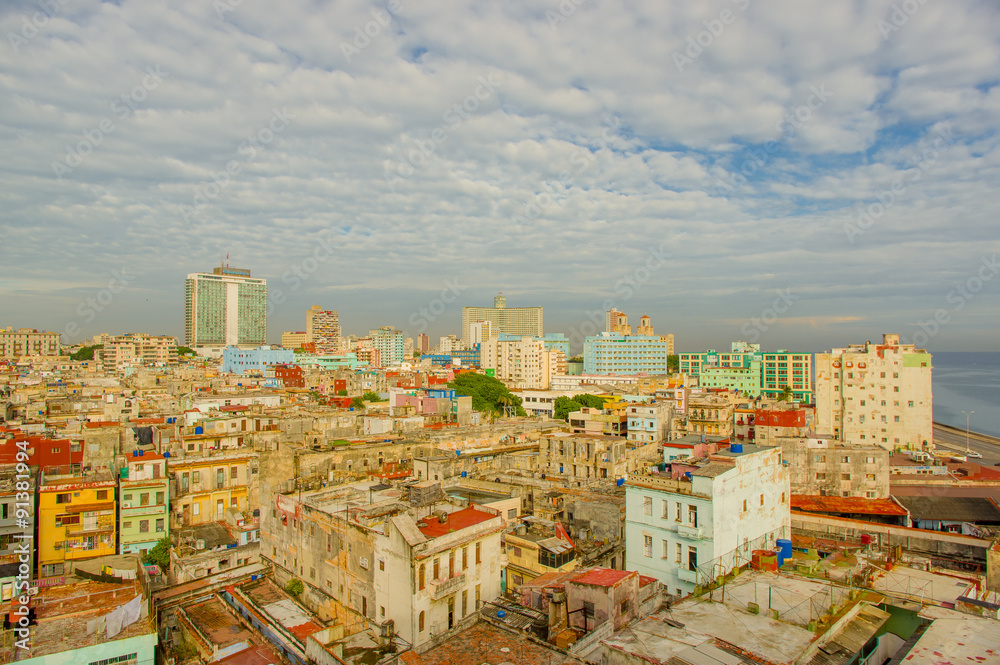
606 577
484 644
952 508
955 637
216 623
456 521
851 505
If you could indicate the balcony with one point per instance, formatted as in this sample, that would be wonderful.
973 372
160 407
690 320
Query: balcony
690 532
685 575
442 588
134 509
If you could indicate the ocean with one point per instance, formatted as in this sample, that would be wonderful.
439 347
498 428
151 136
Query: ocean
967 380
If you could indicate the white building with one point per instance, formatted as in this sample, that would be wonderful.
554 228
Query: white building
649 423
432 573
225 308
876 394
523 363
687 531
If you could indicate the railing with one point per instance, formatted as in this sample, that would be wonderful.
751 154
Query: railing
690 532
444 587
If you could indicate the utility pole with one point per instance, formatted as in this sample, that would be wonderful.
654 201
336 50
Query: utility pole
967 416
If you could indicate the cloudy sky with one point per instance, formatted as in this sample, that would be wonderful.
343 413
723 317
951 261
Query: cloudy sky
804 174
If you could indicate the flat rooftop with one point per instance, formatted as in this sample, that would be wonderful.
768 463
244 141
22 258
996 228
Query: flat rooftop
215 621
955 637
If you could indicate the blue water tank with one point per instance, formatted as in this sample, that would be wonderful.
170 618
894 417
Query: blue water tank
458 452
736 447
784 548
465 474
166 454
687 474
620 482
141 452
199 430
501 614
135 453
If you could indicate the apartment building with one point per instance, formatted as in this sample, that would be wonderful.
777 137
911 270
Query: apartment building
823 466
536 547
649 423
138 349
511 320
709 414
13 527
76 520
226 307
614 353
207 483
608 422
323 329
390 344
522 363
28 342
876 394
255 361
775 371
582 456
687 531
144 502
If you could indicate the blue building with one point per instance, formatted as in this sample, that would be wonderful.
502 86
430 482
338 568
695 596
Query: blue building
239 361
466 356
613 353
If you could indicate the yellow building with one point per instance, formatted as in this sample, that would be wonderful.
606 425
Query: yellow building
76 520
535 548
208 484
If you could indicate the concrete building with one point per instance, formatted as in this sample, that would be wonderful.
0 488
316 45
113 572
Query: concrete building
423 344
511 320
616 322
294 340
709 414
12 528
255 361
224 308
138 349
876 394
208 483
608 422
28 342
582 456
522 363
323 329
536 547
614 353
649 423
775 370
826 467
144 502
390 344
76 520
685 532
433 572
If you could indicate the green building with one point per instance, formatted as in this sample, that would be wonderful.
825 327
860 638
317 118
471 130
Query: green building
746 368
144 502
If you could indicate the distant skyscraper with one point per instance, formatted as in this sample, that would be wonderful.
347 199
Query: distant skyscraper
323 329
511 320
225 308
423 343
390 344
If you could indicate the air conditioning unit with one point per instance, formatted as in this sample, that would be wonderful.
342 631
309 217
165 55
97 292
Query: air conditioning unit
127 504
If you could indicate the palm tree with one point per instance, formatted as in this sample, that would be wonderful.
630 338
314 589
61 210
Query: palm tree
786 394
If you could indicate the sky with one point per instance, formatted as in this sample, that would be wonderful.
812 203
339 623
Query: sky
801 174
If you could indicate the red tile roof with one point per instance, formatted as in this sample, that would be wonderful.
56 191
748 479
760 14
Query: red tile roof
602 577
645 579
461 519
850 505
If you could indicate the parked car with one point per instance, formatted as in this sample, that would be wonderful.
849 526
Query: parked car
973 453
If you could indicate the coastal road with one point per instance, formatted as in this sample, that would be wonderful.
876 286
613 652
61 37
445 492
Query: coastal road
953 439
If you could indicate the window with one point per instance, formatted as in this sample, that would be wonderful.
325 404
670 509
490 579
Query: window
870 494
421 622
677 516
782 497
144 499
159 525
465 558
420 581
647 505
234 473
102 495
512 513
478 558
437 569
647 546
845 476
846 459
665 509
62 498
895 419
588 609
909 403
666 549
692 558
159 498
761 499
477 597
451 564
693 515
820 476
820 458
465 602
870 476
623 608
679 552
143 526
869 460
381 564
312 573
744 505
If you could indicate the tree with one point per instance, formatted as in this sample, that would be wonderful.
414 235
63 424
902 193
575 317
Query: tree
295 586
576 359
86 352
673 362
185 351
487 393
159 553
342 393
564 405
371 397
357 403
786 394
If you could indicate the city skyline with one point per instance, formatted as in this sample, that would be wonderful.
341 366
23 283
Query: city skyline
826 168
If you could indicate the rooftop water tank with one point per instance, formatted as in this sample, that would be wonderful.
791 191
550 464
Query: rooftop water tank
736 447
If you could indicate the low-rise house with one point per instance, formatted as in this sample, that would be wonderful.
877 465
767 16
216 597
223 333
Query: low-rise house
535 547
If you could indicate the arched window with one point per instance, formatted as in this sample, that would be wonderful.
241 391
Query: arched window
421 629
